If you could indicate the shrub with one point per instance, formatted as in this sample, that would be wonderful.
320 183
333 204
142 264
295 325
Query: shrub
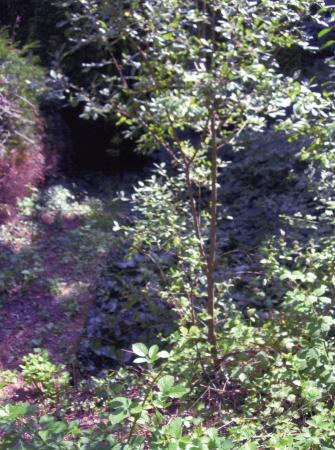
198 82
37 370
25 157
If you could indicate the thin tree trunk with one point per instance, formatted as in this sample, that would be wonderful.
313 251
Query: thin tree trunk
211 262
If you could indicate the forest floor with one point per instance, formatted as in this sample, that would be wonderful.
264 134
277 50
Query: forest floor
50 259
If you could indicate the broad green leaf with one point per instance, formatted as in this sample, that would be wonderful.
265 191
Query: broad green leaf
153 351
118 417
140 360
164 354
120 402
120 409
175 428
44 434
165 383
178 391
140 349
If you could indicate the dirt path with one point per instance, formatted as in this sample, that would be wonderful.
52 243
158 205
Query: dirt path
50 259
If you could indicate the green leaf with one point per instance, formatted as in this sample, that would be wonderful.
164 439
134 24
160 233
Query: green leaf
320 291
4 383
227 444
121 409
165 383
327 44
175 428
164 354
326 324
44 434
324 32
153 351
120 402
263 359
118 417
167 36
55 426
311 277
140 360
140 349
12 412
250 446
178 391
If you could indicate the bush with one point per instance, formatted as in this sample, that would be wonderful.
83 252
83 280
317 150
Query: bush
37 370
229 376
25 158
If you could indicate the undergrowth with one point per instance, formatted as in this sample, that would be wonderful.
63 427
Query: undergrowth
274 385
225 263
25 157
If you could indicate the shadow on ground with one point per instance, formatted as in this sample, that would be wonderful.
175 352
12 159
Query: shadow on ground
272 201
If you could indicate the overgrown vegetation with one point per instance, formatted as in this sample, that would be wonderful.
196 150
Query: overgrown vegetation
223 262
25 156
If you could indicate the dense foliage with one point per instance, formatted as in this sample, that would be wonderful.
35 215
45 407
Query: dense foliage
231 239
34 23
25 154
